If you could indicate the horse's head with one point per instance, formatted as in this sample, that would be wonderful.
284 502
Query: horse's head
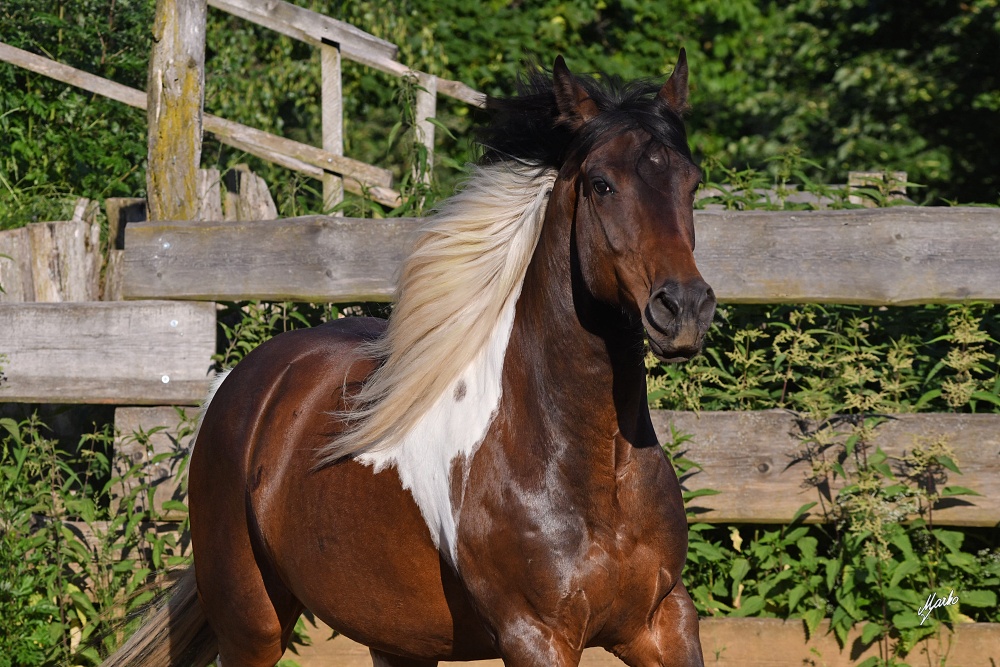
631 173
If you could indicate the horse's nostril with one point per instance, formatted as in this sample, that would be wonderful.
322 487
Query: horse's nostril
669 301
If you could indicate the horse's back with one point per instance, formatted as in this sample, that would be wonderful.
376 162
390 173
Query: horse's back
348 544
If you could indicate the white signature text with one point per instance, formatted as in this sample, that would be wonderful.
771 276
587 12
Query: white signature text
933 602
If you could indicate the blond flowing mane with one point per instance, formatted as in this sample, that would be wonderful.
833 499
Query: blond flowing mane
466 267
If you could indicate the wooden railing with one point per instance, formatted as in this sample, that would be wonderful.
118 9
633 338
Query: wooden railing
157 349
335 39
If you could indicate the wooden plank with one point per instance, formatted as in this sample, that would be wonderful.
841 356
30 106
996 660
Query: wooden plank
15 266
332 107
209 195
114 276
145 433
426 109
247 196
311 27
65 258
753 459
176 99
355 44
743 642
362 178
148 353
461 92
364 174
891 256
314 258
886 256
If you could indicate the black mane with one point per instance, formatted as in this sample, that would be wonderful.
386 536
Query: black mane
525 127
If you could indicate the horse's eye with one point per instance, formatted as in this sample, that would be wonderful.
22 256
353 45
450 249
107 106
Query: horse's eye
601 187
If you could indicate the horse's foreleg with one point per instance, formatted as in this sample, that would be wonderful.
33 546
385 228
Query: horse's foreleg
672 638
380 659
528 643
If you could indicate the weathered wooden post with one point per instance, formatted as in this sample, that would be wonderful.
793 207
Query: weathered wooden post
426 108
176 97
333 120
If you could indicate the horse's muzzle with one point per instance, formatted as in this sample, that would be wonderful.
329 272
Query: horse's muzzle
676 318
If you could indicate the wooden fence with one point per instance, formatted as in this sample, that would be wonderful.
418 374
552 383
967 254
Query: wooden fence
156 349
175 113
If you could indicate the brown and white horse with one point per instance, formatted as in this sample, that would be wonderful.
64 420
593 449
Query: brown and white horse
478 477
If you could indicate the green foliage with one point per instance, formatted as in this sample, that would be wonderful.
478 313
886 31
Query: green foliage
823 360
73 563
856 87
864 567
59 142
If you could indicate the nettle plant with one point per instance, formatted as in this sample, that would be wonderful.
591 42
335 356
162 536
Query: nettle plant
80 545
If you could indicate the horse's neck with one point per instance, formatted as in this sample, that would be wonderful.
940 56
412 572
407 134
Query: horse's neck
579 360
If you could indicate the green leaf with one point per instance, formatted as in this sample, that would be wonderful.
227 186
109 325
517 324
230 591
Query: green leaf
813 618
802 510
750 606
986 396
739 570
174 505
697 493
807 545
952 539
833 569
870 633
906 619
906 568
958 491
978 598
948 463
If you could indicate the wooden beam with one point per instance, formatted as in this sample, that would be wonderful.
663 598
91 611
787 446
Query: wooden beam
65 257
142 434
332 108
15 266
889 256
883 256
314 258
148 353
754 460
176 94
355 45
360 177
426 110
311 27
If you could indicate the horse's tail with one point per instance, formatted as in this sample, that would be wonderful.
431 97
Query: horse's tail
176 634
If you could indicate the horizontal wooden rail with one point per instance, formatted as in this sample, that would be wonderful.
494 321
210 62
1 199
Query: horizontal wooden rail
359 177
152 352
355 44
311 258
893 256
309 26
754 460
890 256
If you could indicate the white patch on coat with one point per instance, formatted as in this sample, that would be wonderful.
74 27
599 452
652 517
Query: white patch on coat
454 426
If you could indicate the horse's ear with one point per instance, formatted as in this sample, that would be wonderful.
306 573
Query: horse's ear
572 100
675 90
